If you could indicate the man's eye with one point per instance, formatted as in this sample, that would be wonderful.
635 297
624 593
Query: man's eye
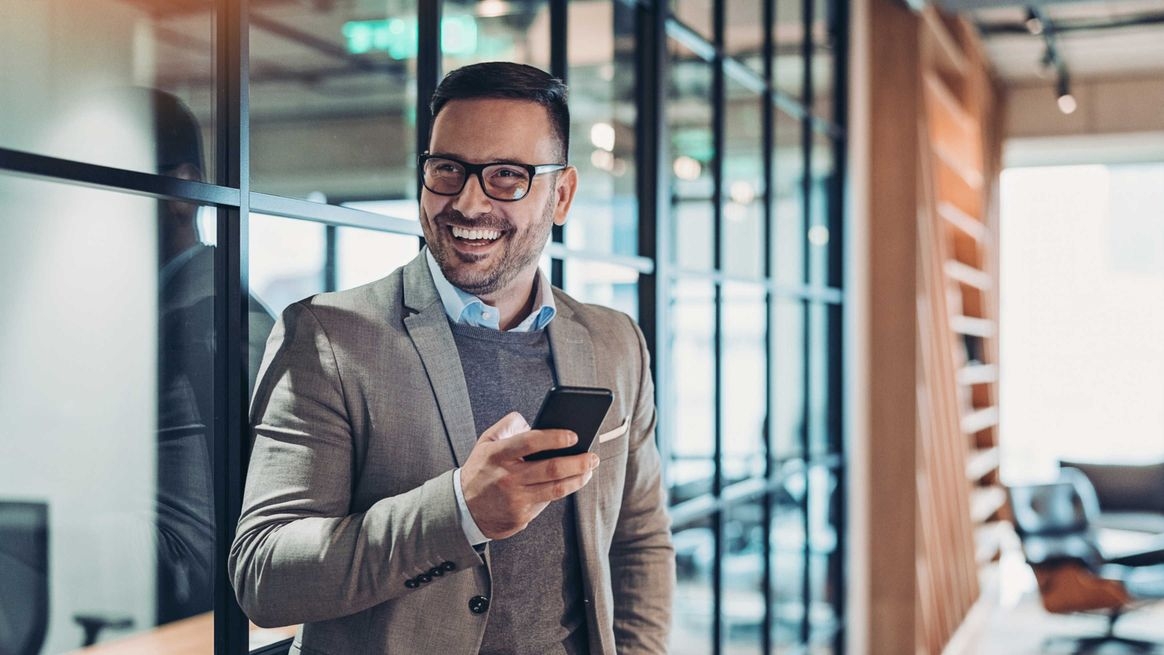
509 173
447 168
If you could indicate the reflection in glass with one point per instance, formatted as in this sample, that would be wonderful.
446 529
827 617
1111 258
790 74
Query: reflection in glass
604 216
603 284
693 403
364 256
492 30
743 35
689 114
743 182
788 394
788 563
76 73
743 577
790 247
823 44
822 246
788 41
744 390
823 427
332 99
114 288
694 603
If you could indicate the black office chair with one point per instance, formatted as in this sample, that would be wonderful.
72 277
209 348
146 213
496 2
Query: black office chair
24 606
1054 523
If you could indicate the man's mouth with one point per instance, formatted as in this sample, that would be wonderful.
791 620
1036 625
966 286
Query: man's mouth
475 234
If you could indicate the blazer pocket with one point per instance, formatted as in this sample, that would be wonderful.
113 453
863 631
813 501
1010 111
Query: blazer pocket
613 442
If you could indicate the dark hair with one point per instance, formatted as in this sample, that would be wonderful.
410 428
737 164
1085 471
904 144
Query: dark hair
502 79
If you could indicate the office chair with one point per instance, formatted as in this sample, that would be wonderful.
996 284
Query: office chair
24 606
1055 525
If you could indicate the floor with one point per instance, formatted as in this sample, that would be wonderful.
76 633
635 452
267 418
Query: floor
1016 624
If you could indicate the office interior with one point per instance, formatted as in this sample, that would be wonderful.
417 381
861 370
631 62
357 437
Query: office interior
803 203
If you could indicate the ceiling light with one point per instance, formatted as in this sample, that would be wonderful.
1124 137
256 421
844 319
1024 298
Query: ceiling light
1067 103
1033 22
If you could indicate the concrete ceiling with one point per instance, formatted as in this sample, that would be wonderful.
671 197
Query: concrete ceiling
1094 39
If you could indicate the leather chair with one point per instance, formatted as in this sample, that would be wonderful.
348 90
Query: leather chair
24 606
1055 524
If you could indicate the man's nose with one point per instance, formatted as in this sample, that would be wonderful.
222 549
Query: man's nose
472 201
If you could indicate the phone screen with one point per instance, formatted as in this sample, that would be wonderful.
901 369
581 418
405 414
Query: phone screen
580 409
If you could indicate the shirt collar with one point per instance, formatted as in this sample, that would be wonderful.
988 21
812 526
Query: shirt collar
464 308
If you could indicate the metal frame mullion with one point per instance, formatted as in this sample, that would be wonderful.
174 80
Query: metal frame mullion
231 429
719 110
806 137
428 69
559 67
768 171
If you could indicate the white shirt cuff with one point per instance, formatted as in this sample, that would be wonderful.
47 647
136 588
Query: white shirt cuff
468 525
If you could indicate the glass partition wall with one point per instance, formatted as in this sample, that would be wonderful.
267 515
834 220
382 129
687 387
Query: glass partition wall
174 174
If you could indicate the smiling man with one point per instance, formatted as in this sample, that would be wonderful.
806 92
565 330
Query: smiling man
389 507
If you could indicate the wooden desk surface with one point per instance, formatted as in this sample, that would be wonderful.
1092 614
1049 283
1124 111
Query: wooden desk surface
192 636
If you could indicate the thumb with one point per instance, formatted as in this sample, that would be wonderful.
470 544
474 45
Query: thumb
510 425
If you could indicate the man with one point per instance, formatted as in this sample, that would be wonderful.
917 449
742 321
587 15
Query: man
374 513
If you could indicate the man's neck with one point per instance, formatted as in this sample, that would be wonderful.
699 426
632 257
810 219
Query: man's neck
515 302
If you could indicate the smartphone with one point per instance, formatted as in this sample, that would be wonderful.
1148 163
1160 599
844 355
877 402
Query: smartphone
580 409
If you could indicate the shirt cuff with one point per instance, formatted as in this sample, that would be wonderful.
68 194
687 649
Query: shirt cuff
468 525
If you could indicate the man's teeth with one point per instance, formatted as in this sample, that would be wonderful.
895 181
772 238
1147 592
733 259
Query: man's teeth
476 235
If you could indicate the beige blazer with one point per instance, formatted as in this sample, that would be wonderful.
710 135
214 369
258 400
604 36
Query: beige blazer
349 494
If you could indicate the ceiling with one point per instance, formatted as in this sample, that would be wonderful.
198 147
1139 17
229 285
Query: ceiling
1094 39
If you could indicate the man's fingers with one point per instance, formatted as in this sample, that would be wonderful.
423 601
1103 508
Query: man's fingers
535 441
550 491
560 468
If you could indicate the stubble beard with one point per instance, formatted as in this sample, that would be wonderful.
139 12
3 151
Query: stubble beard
517 254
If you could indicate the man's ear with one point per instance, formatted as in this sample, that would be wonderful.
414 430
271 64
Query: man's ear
187 171
564 191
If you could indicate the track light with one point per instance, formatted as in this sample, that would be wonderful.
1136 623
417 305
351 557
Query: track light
1067 103
1033 22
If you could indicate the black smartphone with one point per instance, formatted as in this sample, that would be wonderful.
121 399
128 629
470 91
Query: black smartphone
580 409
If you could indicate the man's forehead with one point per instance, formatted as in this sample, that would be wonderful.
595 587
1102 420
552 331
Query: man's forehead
493 129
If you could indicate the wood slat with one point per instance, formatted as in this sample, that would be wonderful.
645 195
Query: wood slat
985 502
972 325
965 223
979 420
968 275
972 374
981 463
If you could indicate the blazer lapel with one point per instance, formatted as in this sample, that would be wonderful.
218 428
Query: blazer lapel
573 354
428 326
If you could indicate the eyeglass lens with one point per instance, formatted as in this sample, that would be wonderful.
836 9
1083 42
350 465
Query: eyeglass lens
499 181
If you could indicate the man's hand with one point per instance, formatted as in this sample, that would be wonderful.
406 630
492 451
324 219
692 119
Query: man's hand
503 491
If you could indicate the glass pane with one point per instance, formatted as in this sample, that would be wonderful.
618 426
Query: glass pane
696 14
694 603
495 30
602 113
822 210
286 260
603 284
745 390
825 592
693 394
743 182
789 232
124 84
689 114
824 429
788 563
788 39
743 578
108 351
744 33
823 42
364 256
787 394
332 98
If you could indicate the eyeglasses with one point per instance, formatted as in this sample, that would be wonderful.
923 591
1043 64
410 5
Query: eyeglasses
504 181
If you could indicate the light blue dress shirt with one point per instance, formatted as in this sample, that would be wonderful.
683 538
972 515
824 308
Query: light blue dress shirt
464 308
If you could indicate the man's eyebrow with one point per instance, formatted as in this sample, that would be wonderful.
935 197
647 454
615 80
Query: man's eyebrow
499 160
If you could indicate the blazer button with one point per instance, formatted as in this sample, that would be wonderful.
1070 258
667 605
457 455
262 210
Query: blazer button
412 583
448 566
436 571
478 604
424 578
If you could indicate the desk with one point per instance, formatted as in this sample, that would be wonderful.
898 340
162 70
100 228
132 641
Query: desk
192 636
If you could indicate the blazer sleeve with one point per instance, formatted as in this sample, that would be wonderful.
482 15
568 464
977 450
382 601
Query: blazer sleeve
642 559
300 554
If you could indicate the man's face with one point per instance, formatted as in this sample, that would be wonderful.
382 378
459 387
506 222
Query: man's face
484 246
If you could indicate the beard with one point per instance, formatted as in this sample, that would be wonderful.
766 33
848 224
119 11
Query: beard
486 274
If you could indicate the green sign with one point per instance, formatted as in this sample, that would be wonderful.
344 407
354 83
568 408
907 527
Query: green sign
398 36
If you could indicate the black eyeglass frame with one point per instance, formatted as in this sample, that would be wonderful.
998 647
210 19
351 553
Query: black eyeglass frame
478 169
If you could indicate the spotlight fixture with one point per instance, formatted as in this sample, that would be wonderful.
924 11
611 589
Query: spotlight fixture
1033 22
1066 101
